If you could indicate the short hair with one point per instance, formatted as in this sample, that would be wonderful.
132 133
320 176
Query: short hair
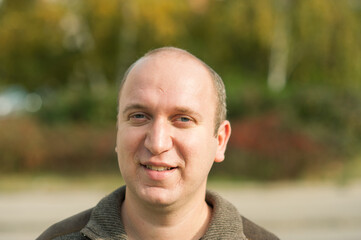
221 106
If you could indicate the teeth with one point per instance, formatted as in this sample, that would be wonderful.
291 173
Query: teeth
155 168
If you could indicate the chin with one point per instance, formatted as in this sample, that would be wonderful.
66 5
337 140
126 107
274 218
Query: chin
157 196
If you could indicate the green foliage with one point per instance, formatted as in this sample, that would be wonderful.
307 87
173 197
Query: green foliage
56 43
74 52
80 105
325 38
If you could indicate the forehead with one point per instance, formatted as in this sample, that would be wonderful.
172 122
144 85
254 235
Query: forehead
172 62
169 68
174 76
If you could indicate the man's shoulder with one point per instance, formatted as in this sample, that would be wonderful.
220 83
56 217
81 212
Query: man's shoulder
254 232
70 226
104 213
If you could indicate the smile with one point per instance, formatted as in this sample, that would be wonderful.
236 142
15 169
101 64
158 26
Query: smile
158 168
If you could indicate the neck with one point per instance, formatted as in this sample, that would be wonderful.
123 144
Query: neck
188 221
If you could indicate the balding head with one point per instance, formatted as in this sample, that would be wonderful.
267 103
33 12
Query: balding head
220 93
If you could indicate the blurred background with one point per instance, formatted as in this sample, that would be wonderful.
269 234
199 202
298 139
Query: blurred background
292 71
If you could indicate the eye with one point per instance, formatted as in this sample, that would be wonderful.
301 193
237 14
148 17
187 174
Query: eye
183 121
138 118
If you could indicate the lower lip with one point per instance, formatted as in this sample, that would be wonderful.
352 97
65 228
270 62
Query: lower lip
158 175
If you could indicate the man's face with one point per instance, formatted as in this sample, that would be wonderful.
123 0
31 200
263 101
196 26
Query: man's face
165 141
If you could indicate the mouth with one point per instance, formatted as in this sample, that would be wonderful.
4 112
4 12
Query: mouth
158 168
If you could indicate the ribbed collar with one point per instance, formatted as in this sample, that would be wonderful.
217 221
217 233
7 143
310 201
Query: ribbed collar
226 222
105 221
106 224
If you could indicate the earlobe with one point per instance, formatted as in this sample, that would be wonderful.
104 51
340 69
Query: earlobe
224 132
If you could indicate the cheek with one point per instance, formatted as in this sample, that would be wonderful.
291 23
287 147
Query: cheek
128 138
199 150
128 141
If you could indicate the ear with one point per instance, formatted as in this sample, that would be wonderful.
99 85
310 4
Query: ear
224 132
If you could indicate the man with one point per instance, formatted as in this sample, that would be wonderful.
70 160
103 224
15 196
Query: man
171 128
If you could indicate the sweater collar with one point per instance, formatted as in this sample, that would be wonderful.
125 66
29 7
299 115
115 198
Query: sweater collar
106 224
226 221
105 221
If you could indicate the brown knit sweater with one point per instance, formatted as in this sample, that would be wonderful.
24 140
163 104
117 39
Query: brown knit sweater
103 222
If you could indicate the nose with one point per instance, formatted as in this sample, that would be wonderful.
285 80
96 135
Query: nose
158 138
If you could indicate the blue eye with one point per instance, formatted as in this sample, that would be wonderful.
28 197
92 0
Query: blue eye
184 119
138 116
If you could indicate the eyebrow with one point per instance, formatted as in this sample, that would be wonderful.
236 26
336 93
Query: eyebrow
134 106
